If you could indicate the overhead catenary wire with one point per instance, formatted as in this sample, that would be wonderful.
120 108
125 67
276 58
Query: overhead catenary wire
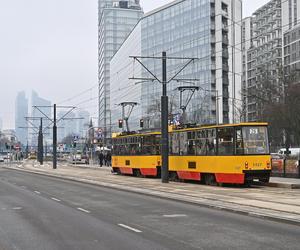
78 95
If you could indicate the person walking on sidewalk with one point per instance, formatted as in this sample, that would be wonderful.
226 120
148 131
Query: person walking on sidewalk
101 158
108 159
105 159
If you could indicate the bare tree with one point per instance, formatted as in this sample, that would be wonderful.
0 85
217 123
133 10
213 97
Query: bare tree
277 102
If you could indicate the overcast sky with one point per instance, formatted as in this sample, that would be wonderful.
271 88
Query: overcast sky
51 46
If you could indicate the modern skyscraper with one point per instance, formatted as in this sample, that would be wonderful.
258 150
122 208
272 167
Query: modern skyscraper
265 56
116 20
207 30
38 101
292 49
83 122
246 45
21 111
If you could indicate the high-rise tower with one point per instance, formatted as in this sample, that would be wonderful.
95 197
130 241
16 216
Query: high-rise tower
115 21
21 107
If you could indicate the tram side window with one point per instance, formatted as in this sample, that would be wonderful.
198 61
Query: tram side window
191 147
201 142
239 147
151 145
175 143
225 141
183 143
211 142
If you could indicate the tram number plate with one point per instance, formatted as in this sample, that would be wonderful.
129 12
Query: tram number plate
192 164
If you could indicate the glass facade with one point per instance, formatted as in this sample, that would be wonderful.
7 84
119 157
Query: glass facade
199 29
182 30
116 21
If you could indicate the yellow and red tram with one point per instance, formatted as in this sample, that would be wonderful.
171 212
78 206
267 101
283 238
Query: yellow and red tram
232 153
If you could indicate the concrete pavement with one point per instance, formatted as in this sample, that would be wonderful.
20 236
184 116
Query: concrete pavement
271 203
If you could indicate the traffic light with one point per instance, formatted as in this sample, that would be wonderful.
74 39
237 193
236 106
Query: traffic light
141 123
120 123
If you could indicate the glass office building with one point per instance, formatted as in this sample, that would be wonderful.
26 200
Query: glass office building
204 29
116 20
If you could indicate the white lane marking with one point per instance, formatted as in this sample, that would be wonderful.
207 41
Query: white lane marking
23 186
17 208
174 215
130 228
37 192
55 199
83 210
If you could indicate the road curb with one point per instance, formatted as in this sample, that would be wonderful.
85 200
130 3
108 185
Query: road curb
204 202
284 185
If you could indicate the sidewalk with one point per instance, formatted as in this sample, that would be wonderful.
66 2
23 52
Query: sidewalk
281 182
268 202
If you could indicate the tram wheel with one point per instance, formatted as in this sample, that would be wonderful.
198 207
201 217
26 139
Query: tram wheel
210 179
174 177
137 173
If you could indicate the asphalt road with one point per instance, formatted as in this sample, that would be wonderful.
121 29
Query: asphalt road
39 212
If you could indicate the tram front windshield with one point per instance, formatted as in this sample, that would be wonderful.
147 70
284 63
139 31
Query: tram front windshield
255 140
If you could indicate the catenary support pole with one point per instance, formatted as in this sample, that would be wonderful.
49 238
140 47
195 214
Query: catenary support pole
54 138
164 123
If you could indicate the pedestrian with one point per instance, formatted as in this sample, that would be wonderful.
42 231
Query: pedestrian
101 158
105 159
108 159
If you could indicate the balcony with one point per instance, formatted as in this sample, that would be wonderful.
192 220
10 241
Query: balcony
225 54
225 40
225 94
212 39
225 67
225 81
213 26
225 107
225 27
224 13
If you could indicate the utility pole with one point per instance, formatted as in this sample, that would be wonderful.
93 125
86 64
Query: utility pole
54 122
40 144
164 123
164 103
54 138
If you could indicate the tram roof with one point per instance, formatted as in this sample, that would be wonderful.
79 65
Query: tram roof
222 126
193 129
136 134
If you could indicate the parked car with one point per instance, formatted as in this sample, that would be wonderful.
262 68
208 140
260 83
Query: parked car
276 156
80 159
1 158
294 151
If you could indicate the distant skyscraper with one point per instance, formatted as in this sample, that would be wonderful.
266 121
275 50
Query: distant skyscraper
1 124
67 126
38 101
116 20
21 111
82 124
